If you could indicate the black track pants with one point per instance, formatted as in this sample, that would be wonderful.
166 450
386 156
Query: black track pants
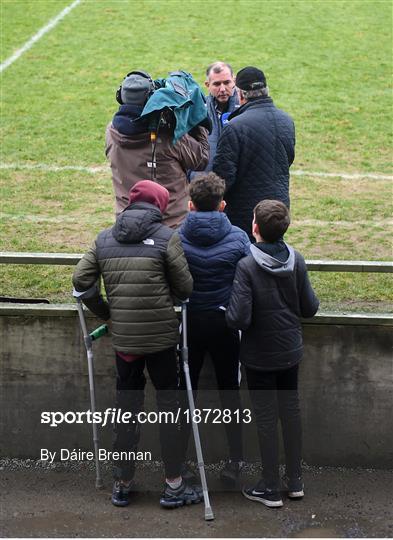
163 371
274 396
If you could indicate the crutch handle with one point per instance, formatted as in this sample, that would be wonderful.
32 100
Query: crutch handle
99 332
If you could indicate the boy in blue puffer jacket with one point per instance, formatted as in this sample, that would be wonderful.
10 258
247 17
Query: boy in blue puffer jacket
213 247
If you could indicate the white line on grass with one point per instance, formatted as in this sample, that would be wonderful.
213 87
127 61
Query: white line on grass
28 45
32 218
105 169
332 223
55 168
345 176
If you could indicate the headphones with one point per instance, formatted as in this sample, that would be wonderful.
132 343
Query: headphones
142 74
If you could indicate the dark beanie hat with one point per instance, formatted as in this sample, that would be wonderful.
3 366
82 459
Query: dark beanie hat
149 192
135 89
250 78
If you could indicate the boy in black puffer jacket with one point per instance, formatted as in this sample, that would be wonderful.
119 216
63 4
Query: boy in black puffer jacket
271 292
213 247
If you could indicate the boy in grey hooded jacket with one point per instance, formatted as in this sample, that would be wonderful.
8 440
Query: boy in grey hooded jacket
271 292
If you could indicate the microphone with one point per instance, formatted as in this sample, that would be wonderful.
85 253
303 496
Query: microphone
224 118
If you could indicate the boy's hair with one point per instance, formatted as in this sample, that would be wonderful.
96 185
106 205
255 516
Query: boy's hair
272 218
207 192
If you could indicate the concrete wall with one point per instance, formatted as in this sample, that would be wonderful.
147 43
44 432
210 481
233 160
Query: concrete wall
345 384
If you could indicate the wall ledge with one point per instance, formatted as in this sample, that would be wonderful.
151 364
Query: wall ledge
323 317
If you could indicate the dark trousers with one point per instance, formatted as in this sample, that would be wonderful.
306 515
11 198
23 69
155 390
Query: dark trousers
163 371
274 395
208 333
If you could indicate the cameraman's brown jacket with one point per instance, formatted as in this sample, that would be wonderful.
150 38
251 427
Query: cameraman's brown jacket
131 160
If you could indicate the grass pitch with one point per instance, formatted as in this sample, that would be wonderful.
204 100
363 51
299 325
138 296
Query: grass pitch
328 63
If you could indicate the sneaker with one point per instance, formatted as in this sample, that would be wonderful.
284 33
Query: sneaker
294 486
261 494
183 495
198 489
121 494
231 471
188 474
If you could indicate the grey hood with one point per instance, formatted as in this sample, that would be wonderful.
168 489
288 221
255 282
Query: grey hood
272 265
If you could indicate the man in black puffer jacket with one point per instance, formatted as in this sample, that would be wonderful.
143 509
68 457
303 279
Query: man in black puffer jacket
271 292
143 267
255 150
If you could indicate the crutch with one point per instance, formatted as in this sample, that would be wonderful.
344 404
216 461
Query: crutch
88 340
201 466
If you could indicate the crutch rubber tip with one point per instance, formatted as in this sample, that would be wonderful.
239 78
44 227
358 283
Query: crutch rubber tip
209 516
99 484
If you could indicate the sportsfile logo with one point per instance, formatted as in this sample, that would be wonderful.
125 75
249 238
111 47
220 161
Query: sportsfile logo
117 416
109 416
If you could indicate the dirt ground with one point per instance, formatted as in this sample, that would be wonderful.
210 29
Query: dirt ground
61 501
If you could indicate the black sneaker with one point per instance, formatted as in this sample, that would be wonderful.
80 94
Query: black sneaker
294 486
188 474
121 494
183 495
261 494
231 471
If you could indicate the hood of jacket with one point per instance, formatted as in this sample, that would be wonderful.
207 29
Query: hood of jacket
136 223
127 120
282 265
205 228
136 141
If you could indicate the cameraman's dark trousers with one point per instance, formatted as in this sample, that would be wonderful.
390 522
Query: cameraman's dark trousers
274 396
209 333
163 371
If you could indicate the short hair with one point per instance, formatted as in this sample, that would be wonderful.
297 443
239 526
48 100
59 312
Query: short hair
217 67
207 192
254 94
272 218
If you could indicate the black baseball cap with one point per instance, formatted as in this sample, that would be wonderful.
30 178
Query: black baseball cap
250 78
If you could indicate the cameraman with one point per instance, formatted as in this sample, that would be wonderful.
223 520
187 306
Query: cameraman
129 150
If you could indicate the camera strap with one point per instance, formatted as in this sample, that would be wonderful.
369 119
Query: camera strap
153 140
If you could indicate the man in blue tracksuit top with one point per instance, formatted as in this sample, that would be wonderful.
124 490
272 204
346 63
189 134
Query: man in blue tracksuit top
213 247
221 102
